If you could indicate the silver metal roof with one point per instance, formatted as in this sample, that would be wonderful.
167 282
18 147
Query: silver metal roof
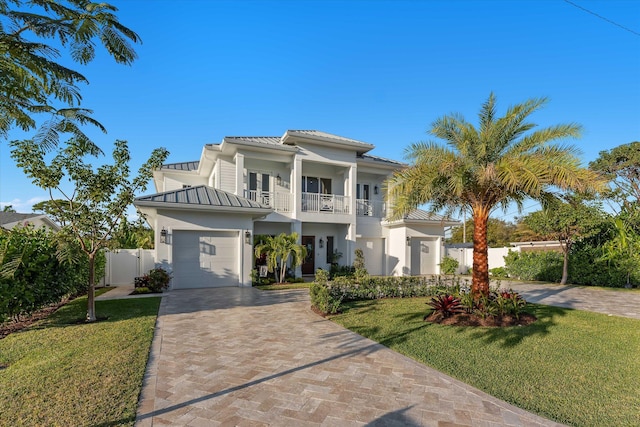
329 136
270 140
183 166
421 215
382 160
200 195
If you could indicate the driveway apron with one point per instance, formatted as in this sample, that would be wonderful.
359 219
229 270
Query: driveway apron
240 356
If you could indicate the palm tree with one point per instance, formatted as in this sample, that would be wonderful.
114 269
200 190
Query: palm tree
279 250
480 169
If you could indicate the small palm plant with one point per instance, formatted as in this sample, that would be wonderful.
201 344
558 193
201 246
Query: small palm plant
279 250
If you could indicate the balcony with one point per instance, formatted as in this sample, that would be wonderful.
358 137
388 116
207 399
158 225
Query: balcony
372 208
325 203
279 201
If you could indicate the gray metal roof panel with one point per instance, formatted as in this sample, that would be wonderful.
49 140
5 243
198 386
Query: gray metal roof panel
330 136
10 217
201 195
382 159
182 166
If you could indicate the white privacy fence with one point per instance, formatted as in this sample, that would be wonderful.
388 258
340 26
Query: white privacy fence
465 257
123 265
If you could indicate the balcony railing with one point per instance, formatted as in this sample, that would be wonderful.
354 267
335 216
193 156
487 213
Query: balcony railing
325 203
372 208
279 201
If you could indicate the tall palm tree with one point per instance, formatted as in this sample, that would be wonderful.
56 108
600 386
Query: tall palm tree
480 169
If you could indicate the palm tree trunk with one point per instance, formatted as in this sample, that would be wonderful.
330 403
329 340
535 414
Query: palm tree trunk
91 302
480 277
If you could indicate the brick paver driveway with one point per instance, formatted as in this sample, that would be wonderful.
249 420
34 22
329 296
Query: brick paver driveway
239 356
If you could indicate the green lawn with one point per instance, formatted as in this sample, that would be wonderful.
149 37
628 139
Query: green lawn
575 367
283 287
67 374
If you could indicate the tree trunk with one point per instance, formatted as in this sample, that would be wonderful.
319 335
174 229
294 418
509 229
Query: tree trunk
565 263
480 277
91 301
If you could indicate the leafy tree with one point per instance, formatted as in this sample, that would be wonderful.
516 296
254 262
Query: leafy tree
91 212
8 208
624 249
133 235
621 165
34 81
502 161
279 250
499 233
566 221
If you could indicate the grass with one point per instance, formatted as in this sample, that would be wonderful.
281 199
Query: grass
282 287
574 367
59 372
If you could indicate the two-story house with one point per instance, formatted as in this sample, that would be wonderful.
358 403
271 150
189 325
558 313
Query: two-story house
324 187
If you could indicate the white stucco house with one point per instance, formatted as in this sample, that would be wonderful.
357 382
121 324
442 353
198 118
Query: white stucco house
9 220
325 187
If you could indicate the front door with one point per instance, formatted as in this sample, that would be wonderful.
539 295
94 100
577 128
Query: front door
308 266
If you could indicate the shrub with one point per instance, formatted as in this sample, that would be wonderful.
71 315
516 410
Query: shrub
323 300
499 273
322 276
341 270
449 265
141 290
544 266
359 266
141 281
350 289
158 279
445 305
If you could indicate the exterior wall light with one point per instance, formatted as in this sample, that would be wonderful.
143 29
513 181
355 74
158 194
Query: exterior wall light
375 189
163 235
321 243
247 237
408 240
279 179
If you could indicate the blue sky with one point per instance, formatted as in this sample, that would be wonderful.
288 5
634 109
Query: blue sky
376 71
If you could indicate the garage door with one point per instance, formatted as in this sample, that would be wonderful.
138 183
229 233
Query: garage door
423 256
205 259
373 250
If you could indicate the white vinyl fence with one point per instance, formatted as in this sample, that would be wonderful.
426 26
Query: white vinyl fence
465 257
123 265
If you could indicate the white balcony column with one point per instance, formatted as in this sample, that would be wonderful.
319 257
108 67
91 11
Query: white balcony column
296 185
239 175
351 243
353 184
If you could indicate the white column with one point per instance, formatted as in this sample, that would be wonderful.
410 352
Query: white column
296 227
239 174
296 185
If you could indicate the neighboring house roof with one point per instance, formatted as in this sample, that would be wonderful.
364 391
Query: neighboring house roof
9 220
382 160
202 197
183 166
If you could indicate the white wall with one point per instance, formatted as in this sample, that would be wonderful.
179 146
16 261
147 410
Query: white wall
465 257
123 265
175 183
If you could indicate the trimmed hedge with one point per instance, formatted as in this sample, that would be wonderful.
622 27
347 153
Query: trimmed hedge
32 277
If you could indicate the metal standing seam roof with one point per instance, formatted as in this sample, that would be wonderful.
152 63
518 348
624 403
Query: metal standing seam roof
269 140
182 166
201 195
382 159
422 215
326 135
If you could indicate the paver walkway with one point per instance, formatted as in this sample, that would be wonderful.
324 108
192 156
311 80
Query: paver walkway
239 356
615 302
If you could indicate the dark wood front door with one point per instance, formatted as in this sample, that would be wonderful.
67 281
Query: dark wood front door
308 266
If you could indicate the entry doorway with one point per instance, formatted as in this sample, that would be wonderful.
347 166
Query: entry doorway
308 266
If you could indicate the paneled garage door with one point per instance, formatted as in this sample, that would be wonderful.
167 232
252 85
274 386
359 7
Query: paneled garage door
205 259
373 250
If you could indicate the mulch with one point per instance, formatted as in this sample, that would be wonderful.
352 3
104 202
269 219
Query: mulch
464 319
10 327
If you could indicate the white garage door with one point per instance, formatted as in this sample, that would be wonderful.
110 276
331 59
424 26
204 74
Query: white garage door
205 259
373 250
423 256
